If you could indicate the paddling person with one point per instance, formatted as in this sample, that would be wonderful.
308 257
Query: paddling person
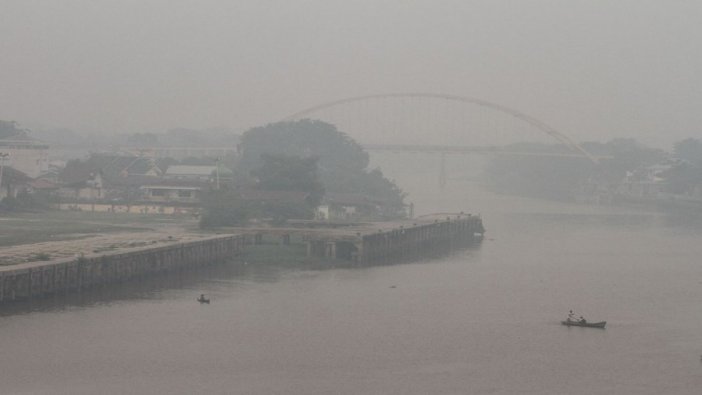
582 320
571 316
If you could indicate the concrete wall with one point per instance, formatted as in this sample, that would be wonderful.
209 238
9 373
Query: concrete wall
407 241
123 208
37 279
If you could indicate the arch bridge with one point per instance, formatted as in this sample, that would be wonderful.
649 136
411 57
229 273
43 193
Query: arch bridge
573 149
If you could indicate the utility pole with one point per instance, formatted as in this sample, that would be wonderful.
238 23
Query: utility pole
3 156
217 172
442 172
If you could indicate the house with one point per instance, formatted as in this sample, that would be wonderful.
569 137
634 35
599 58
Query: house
197 172
347 206
12 182
106 176
182 192
81 181
648 182
42 185
24 154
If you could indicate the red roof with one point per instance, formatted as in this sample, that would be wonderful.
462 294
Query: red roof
42 184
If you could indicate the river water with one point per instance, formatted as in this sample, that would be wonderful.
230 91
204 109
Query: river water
482 321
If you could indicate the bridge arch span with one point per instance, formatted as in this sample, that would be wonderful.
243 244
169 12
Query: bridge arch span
536 123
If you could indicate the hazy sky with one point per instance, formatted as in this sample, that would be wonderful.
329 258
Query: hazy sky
592 69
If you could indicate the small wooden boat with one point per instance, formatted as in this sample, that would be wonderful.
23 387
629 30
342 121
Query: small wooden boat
203 300
585 324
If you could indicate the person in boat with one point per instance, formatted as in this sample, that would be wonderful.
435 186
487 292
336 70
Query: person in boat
571 316
201 298
582 320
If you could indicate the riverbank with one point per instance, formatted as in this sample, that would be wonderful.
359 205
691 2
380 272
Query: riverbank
50 226
32 270
36 279
51 235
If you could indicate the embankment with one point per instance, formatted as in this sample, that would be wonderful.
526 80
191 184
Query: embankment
35 279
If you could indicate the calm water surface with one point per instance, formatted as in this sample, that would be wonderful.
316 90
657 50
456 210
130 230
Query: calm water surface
483 321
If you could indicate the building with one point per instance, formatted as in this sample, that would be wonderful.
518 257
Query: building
197 173
174 192
12 182
31 157
648 182
114 177
181 153
347 206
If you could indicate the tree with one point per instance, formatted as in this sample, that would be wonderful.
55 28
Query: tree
10 129
690 150
341 161
292 186
560 178
305 138
684 177
290 173
223 207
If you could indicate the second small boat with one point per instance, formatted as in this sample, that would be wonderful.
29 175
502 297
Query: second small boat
600 325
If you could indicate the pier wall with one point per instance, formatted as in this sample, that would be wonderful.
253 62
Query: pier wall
412 240
28 280
406 239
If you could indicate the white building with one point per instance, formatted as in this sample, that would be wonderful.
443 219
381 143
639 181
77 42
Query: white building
31 157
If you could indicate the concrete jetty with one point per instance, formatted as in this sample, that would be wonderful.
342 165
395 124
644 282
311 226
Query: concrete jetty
398 239
35 279
352 242
376 241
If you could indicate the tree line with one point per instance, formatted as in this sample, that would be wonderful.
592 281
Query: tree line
563 177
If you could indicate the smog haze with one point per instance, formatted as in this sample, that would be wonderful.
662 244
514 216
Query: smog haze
594 70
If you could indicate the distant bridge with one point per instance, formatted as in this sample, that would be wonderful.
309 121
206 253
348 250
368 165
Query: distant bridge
444 150
464 150
534 122
428 100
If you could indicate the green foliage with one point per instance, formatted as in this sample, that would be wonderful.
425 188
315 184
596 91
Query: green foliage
683 178
280 212
10 203
342 163
26 202
290 173
10 129
690 150
559 178
284 173
686 175
223 207
304 138
627 155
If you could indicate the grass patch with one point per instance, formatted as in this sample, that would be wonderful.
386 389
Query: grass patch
27 228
